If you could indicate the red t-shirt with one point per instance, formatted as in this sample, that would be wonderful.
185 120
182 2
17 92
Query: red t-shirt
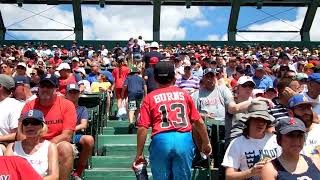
168 109
58 117
120 77
17 168
55 62
234 83
63 83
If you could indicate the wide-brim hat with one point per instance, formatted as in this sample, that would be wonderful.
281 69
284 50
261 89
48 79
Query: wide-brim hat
258 109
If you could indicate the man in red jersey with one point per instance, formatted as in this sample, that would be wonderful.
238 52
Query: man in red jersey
170 112
60 117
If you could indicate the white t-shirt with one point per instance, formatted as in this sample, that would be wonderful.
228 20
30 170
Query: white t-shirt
244 153
38 160
312 143
10 110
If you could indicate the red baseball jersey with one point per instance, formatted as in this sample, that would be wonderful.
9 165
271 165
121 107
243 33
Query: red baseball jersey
168 109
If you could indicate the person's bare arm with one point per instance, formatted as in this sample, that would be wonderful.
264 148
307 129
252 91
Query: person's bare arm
123 91
268 172
316 161
9 137
9 150
145 90
202 131
141 139
66 135
53 171
233 174
83 125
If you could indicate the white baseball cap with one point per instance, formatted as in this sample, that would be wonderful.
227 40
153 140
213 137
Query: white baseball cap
75 59
244 79
22 64
63 66
154 45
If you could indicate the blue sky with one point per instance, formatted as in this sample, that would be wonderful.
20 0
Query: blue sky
178 23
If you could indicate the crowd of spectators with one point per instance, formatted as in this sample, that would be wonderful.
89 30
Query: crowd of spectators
249 89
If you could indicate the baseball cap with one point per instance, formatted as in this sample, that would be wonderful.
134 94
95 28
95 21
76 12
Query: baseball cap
309 66
22 64
75 59
298 99
81 70
164 69
289 124
50 78
134 70
154 45
33 114
72 86
209 70
301 76
154 60
21 80
137 57
260 67
314 77
271 88
258 109
63 66
54 46
245 79
7 81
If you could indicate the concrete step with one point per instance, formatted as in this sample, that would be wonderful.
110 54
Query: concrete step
116 123
119 130
119 139
112 161
122 149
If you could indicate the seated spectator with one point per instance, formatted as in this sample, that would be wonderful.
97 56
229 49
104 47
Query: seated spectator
41 154
86 142
10 109
66 77
22 91
60 117
21 69
261 80
84 84
102 85
242 157
6 68
291 164
187 81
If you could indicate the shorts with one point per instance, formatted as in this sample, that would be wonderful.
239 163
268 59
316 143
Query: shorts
134 105
75 151
171 155
76 138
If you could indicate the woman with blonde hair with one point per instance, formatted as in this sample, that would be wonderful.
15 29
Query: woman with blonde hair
40 153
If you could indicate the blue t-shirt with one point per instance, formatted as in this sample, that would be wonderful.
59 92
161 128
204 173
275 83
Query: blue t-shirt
135 85
264 83
93 77
82 113
151 83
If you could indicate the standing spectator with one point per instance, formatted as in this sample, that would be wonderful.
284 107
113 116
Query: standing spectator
60 117
154 46
9 110
84 84
172 147
149 75
291 164
141 43
260 78
86 142
41 154
137 89
188 82
66 77
119 74
243 155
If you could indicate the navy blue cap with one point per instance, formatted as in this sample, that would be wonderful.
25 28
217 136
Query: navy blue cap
21 80
209 70
50 78
314 77
72 86
289 124
33 114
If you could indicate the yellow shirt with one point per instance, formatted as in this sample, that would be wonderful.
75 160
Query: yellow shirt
96 85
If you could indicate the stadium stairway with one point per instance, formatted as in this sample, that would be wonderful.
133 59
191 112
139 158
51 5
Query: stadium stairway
116 151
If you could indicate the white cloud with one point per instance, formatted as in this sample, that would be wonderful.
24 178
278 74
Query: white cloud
214 37
202 23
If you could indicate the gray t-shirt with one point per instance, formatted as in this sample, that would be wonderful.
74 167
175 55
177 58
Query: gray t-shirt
214 101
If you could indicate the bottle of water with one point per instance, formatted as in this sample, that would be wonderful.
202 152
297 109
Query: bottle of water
141 171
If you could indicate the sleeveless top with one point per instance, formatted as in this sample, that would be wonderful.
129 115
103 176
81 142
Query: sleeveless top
312 173
38 160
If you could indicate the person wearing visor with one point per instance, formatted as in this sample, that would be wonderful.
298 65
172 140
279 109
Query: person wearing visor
291 164
40 153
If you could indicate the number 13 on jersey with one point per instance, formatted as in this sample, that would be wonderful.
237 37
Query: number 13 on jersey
173 114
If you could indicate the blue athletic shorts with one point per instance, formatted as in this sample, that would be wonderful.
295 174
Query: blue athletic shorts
76 138
171 155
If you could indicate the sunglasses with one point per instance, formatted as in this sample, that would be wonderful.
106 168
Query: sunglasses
32 122
46 85
32 74
247 85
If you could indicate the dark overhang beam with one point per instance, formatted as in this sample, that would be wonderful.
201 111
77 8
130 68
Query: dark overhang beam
233 21
156 19
77 15
2 28
308 20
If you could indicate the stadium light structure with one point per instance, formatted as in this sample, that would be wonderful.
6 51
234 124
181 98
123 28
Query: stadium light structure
259 4
102 3
188 4
52 2
19 2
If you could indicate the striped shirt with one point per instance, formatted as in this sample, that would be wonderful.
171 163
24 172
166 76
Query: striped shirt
278 111
188 84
